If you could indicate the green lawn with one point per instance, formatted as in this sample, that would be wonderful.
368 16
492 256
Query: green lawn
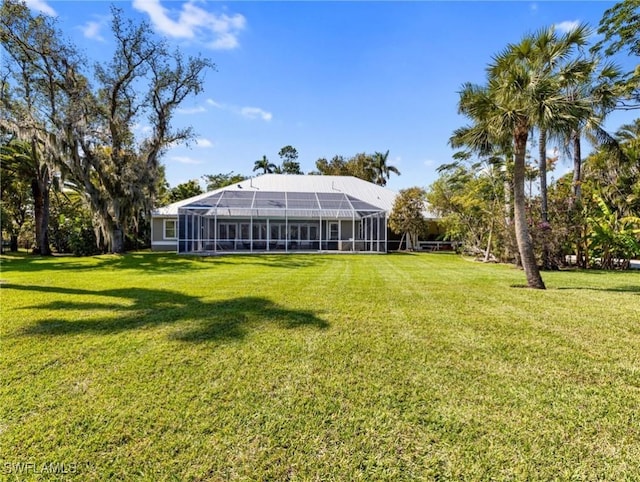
315 367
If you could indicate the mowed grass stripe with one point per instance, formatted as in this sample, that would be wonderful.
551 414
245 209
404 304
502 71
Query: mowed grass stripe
301 367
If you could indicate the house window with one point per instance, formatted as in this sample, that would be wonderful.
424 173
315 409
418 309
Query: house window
276 230
226 231
259 231
293 232
170 229
334 231
244 232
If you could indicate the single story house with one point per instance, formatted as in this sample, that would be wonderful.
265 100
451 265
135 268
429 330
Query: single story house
279 213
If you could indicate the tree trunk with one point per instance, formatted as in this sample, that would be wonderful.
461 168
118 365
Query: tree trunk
40 185
577 169
487 252
117 231
525 246
507 201
41 214
576 196
542 165
544 211
117 240
508 216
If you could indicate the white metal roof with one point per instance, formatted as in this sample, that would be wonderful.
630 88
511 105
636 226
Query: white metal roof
253 202
370 193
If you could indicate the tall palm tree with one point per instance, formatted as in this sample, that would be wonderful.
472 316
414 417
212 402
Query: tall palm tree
511 104
382 171
522 95
264 165
598 89
547 53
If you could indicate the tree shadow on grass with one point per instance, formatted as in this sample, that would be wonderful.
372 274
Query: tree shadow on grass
147 262
150 262
140 308
612 289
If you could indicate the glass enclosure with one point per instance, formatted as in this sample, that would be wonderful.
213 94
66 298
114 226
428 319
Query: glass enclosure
253 220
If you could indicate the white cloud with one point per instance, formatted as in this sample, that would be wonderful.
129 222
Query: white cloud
191 110
429 163
202 142
225 41
42 6
217 32
533 7
92 28
185 160
567 25
247 112
255 113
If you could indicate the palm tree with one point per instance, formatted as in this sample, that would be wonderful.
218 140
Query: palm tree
525 98
547 55
382 171
264 165
598 89
510 105
479 139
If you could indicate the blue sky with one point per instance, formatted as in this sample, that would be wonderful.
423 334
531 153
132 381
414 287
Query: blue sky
327 77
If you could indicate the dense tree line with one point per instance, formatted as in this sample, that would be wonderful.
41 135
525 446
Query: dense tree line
370 167
549 84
